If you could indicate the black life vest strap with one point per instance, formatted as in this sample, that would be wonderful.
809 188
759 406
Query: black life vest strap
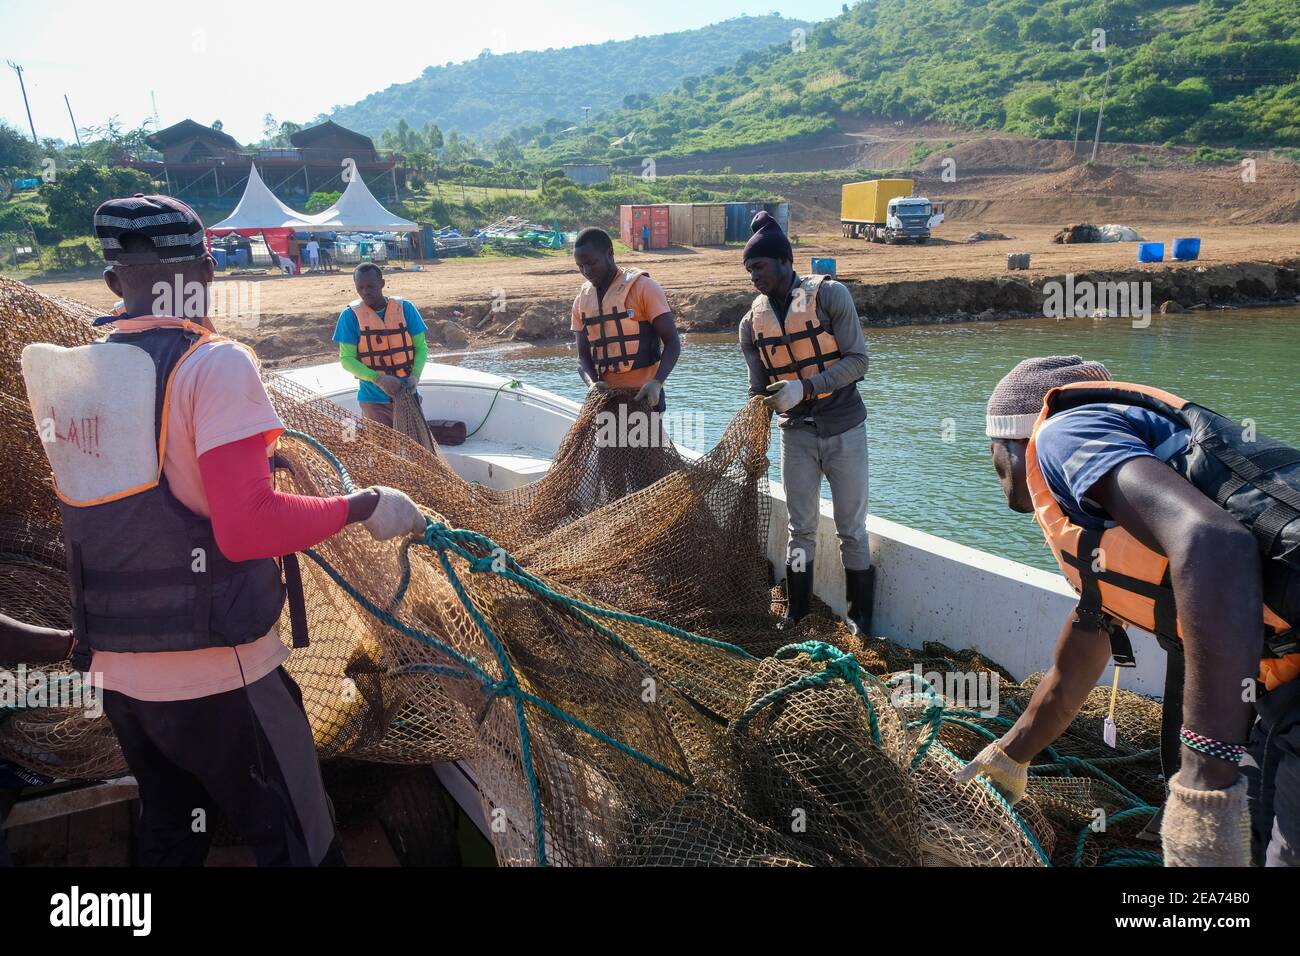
1121 648
1254 469
294 594
1162 595
601 344
297 600
811 331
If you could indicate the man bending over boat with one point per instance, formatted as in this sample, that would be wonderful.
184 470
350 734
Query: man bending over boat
181 552
1169 517
382 341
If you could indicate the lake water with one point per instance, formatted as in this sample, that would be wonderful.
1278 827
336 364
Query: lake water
926 390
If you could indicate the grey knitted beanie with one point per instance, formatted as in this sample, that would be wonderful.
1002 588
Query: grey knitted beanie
1018 398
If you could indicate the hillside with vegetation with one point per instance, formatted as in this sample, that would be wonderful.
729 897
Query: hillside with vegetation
496 94
1218 72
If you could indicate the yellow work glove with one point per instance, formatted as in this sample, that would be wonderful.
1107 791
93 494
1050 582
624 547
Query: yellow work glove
1009 777
1206 827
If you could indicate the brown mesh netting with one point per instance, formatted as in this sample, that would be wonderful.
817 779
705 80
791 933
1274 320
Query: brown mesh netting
596 648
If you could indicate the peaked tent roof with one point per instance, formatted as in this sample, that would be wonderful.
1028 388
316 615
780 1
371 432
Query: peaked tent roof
359 211
259 209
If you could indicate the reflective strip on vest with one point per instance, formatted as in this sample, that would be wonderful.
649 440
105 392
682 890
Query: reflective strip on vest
385 343
618 339
1110 569
801 348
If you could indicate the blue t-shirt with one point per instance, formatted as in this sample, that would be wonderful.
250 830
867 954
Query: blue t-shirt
348 332
1079 447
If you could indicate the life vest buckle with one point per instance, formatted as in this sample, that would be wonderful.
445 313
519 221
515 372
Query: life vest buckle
1283 643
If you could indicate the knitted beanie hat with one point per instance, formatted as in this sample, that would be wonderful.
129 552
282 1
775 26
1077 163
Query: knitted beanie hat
1018 398
768 241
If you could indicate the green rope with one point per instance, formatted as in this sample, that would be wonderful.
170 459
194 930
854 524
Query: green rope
1114 818
511 383
839 666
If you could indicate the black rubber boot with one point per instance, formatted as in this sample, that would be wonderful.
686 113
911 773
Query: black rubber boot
860 589
798 592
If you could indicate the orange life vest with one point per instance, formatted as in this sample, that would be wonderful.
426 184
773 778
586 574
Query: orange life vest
619 340
805 346
385 344
1116 573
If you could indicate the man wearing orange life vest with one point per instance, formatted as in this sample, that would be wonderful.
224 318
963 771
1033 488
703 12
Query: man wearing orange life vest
623 328
1163 515
803 343
382 341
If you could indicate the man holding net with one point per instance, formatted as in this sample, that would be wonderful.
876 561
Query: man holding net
383 342
806 353
1164 515
180 550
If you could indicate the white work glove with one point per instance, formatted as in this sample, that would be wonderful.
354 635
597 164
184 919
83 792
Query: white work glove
394 515
1206 827
650 392
599 387
783 396
391 384
1009 777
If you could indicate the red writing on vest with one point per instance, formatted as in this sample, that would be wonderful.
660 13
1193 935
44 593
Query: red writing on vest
82 433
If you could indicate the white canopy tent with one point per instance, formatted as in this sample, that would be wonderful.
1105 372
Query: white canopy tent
259 209
359 211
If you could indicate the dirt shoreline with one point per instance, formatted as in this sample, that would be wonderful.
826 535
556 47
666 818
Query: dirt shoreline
948 280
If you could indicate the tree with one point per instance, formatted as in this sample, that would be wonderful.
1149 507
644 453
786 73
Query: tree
433 137
17 152
216 124
319 202
72 198
507 150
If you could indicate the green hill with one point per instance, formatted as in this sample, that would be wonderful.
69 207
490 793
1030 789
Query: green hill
1218 71
495 94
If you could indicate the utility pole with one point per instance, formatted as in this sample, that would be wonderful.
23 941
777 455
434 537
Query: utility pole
23 86
1078 121
73 118
1096 142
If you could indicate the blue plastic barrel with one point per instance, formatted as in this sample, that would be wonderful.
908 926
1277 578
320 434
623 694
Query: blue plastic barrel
823 267
1151 252
241 258
220 255
1186 249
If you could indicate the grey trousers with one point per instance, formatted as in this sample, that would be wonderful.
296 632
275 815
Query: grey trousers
842 458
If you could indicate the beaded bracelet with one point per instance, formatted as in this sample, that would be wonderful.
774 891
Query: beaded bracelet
1232 753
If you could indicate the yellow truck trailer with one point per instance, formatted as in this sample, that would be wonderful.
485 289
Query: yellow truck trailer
885 210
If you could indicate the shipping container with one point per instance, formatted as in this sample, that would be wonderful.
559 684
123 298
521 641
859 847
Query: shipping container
868 202
697 224
633 219
739 216
780 211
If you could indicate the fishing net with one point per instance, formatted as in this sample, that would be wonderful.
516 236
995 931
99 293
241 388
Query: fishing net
601 651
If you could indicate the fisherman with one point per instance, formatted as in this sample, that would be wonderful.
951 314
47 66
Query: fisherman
622 325
162 437
1165 516
803 343
383 342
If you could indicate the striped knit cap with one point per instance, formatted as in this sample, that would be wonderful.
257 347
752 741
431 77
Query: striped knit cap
1018 398
175 229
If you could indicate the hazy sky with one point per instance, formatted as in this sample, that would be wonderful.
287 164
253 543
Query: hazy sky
235 60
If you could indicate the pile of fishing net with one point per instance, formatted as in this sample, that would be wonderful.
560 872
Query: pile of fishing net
600 649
